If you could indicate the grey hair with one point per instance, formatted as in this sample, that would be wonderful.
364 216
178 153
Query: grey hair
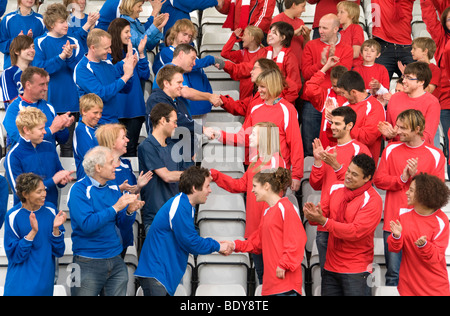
95 156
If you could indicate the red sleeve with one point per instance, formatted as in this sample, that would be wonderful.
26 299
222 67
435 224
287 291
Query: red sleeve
384 78
292 70
313 92
235 56
229 183
262 16
317 176
252 244
294 141
395 244
383 179
238 71
290 92
435 75
432 118
294 239
309 64
434 250
357 35
368 132
239 107
434 27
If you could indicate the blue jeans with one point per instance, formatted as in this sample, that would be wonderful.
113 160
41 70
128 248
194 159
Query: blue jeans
445 121
108 277
322 245
152 287
391 54
393 261
311 121
345 284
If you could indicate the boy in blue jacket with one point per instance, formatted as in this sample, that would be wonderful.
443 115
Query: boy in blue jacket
58 54
34 154
172 236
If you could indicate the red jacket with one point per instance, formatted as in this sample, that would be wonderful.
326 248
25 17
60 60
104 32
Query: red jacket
423 270
289 68
312 56
350 243
426 103
285 116
317 94
281 238
369 113
392 164
261 13
392 20
242 56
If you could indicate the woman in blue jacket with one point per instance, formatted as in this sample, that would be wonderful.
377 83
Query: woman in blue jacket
130 10
34 236
132 109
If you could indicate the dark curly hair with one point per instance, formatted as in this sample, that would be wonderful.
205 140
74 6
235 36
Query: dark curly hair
26 183
431 191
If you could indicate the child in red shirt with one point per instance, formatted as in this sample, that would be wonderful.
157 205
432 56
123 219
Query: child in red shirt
291 15
251 40
352 33
423 49
376 76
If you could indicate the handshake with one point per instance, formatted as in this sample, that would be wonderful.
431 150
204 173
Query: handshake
226 247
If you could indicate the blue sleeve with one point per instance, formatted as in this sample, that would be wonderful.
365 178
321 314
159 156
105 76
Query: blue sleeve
5 40
108 12
9 87
154 35
143 68
17 248
58 244
13 168
192 5
187 236
3 4
204 62
9 122
84 141
51 64
88 83
3 199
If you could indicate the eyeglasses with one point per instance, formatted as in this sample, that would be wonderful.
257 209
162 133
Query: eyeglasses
409 78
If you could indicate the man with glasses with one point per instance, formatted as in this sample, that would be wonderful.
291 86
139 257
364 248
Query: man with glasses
416 78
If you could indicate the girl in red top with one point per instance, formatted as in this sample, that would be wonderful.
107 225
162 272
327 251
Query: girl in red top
422 233
352 33
281 237
279 40
251 39
265 140
270 106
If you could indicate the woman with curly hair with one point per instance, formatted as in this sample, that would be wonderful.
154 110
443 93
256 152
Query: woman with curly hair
421 233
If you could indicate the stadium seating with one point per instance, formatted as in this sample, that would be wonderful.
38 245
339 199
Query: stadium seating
223 216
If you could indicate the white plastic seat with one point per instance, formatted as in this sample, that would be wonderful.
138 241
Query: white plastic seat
220 225
223 270
220 290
